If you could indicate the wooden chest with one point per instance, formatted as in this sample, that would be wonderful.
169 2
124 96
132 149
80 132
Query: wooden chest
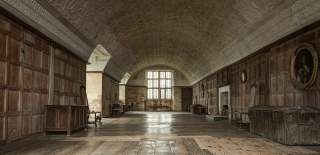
286 125
65 118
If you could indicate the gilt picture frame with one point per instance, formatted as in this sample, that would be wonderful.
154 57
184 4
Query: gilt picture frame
304 66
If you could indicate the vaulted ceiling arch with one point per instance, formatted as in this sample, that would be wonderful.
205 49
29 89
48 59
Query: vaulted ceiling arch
195 37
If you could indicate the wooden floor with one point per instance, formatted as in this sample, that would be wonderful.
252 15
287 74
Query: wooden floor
156 133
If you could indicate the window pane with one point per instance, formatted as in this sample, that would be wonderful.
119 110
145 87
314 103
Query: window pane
162 75
155 94
162 93
168 83
155 75
150 84
168 75
149 75
150 93
162 83
159 84
155 83
168 94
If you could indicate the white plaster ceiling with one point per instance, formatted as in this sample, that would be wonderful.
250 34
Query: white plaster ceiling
196 37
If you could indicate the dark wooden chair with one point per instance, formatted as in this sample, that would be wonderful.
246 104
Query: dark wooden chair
242 120
97 118
116 110
97 115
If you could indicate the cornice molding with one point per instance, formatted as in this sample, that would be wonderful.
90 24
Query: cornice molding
35 15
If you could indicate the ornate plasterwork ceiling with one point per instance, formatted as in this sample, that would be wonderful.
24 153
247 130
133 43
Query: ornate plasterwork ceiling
196 37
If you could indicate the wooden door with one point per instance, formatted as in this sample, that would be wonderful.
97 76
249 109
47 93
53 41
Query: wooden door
186 99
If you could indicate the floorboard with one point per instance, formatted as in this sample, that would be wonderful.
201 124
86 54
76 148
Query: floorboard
156 133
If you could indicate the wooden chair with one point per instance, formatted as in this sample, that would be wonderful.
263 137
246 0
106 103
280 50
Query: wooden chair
243 120
116 110
97 115
97 118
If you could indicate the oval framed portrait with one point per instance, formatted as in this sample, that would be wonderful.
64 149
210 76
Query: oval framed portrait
83 95
304 66
243 76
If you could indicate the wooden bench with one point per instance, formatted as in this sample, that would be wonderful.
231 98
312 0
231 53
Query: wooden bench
199 109
217 117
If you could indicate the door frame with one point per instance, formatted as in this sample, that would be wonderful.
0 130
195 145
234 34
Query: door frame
220 91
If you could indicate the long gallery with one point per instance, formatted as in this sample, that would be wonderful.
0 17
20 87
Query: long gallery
159 77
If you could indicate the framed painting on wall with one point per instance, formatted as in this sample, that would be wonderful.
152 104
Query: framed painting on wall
304 66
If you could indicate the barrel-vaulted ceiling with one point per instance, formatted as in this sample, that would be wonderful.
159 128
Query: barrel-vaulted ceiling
196 37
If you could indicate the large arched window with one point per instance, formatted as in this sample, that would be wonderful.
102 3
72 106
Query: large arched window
159 83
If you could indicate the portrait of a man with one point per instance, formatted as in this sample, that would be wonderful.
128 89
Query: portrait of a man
304 66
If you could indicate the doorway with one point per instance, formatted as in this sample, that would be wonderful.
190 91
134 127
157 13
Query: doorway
224 102
186 99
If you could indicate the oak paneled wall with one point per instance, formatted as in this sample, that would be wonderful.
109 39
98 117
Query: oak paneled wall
24 60
69 75
206 93
135 97
269 70
110 94
256 70
25 64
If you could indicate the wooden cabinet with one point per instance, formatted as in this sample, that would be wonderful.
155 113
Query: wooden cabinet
65 118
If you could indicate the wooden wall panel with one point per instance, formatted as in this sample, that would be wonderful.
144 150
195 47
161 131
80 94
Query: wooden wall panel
37 58
37 123
269 69
45 61
59 67
26 125
36 105
69 76
13 101
14 76
27 78
44 100
25 59
44 84
3 54
2 128
3 74
14 48
13 128
27 54
208 95
2 102
280 112
37 78
28 99
110 95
